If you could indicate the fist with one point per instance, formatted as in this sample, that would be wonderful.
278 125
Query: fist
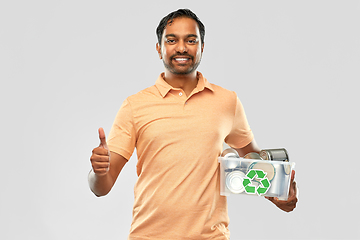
100 158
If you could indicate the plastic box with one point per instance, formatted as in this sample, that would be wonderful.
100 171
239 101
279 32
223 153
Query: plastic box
255 177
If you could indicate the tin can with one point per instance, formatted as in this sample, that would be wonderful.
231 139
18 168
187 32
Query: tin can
232 156
234 181
267 167
281 171
279 154
252 155
230 152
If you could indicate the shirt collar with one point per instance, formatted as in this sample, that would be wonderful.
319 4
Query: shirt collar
164 87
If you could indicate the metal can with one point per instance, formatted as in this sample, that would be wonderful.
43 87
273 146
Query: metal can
252 155
279 154
230 152
232 157
281 171
234 181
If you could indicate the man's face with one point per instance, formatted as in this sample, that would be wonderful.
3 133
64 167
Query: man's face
181 47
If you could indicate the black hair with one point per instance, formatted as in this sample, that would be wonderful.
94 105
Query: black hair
176 14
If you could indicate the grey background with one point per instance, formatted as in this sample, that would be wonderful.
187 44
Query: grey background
66 67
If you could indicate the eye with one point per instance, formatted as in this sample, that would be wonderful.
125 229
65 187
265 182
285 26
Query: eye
170 41
192 41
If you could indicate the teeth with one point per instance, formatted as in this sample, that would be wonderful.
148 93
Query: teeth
181 59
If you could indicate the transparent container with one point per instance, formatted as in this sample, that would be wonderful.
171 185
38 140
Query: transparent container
255 177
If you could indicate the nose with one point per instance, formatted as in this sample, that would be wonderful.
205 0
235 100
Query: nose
181 47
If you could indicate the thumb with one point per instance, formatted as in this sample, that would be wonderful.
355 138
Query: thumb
292 174
102 138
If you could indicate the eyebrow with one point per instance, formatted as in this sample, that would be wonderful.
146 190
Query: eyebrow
173 35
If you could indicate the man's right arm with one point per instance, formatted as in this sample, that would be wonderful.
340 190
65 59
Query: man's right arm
106 167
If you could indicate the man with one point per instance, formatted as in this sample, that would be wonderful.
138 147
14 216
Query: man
178 127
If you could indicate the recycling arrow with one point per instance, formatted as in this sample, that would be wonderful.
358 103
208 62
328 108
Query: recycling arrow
262 188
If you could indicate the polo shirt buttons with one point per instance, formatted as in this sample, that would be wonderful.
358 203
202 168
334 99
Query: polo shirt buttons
180 94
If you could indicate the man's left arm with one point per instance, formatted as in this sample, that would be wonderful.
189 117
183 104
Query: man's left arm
290 203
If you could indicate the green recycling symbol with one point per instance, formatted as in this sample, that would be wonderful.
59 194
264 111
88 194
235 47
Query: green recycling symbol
261 189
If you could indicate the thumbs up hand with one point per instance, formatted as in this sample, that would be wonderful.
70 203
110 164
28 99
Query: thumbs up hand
100 158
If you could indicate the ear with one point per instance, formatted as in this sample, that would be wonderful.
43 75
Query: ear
202 47
158 49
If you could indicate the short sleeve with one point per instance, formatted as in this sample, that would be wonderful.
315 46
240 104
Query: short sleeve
122 136
240 134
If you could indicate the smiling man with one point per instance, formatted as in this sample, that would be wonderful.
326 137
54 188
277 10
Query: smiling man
180 47
178 127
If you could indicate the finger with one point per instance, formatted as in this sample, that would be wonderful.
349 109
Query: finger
100 171
102 138
292 200
293 191
294 188
100 165
292 175
100 151
99 158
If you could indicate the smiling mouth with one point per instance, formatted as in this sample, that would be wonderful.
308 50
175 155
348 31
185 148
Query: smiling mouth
181 59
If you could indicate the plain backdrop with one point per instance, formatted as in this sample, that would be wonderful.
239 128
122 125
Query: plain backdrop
66 67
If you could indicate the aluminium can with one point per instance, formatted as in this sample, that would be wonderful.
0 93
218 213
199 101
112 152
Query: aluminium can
279 154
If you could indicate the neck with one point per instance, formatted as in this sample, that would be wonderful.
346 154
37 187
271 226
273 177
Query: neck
186 82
